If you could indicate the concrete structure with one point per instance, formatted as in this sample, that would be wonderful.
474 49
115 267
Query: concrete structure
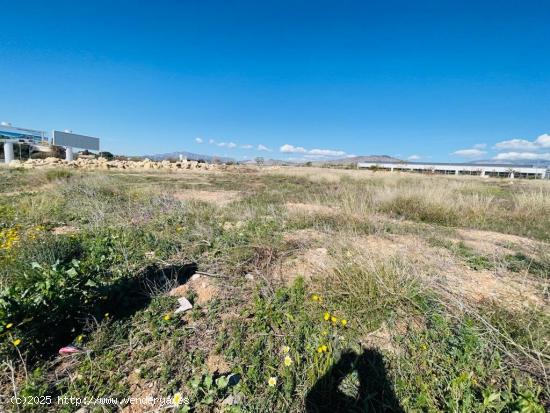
69 154
10 135
485 170
8 151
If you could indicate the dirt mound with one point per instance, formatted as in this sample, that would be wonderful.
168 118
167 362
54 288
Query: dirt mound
202 285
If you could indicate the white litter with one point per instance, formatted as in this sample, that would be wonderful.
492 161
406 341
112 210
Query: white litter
185 305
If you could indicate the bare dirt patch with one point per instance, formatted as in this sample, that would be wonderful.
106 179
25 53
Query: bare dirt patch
217 364
443 270
66 229
307 264
491 243
219 198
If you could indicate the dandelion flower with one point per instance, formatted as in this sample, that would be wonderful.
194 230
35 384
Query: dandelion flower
79 338
16 342
9 325
315 297
325 348
166 317
286 349
344 322
272 382
288 361
334 319
327 316
177 398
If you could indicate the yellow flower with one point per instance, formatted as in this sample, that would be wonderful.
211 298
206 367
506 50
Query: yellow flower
327 316
333 319
8 326
286 349
272 382
16 342
315 297
166 317
322 349
424 347
177 398
344 322
288 361
79 338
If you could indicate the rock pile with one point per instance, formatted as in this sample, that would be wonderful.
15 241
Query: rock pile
102 163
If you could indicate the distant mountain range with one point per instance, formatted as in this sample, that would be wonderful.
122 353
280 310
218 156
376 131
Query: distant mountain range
272 162
189 155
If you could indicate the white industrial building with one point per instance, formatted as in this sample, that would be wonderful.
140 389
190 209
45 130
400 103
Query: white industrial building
39 141
485 170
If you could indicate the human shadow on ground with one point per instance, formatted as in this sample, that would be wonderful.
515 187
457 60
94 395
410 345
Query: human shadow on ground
334 393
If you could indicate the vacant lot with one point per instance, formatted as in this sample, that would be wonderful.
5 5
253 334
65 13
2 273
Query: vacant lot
312 289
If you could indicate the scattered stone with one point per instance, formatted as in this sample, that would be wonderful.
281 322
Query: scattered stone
249 276
102 163
185 305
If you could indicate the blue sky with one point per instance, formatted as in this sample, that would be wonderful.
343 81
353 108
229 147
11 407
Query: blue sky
284 79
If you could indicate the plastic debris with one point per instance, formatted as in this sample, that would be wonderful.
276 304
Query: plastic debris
69 350
185 305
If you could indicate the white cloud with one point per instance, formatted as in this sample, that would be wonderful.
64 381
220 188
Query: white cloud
286 148
231 145
326 152
263 148
311 153
221 144
512 156
480 146
246 146
413 158
521 144
469 153
198 140
543 141
211 141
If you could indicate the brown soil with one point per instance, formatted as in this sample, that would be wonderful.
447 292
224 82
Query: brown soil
202 285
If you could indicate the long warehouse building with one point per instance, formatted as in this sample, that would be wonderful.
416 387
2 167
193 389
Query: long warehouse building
485 170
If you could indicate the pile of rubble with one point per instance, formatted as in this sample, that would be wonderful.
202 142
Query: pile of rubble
102 163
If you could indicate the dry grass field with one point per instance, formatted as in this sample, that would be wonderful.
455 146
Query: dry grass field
313 290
